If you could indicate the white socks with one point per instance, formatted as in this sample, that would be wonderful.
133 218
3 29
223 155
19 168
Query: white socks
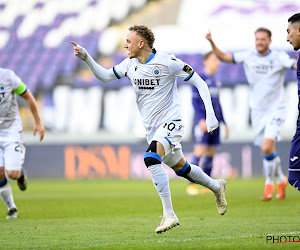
198 176
270 167
161 183
278 171
7 197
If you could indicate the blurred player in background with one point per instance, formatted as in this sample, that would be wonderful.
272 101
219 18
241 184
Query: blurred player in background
293 38
206 143
264 70
153 77
12 150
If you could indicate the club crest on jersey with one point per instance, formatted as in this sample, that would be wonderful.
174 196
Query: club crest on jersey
2 88
187 68
156 71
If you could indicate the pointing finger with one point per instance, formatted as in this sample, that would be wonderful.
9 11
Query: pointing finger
75 44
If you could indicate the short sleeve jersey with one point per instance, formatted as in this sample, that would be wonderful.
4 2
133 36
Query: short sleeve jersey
214 89
9 112
265 76
155 86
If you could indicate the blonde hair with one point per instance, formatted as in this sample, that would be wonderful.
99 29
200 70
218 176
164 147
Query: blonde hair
145 32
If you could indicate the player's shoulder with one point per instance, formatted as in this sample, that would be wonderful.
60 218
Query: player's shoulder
162 56
5 71
250 53
172 60
6 74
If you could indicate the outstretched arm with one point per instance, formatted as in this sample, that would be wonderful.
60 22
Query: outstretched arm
101 73
211 120
38 126
225 57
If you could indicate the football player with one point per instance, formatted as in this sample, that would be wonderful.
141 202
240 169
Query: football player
153 77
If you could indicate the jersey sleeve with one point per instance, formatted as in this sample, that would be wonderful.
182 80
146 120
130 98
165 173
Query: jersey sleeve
286 61
121 69
14 79
17 85
198 105
240 56
21 89
180 69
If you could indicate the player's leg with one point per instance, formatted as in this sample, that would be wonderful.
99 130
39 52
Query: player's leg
213 142
294 164
199 151
272 163
200 141
14 154
167 138
208 160
207 147
269 162
207 164
153 160
6 192
195 174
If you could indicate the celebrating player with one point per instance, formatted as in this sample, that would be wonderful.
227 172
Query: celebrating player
153 77
293 38
206 143
265 74
12 150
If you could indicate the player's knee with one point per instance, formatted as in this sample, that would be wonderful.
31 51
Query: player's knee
3 179
151 157
267 150
12 174
184 171
267 147
2 173
152 147
270 156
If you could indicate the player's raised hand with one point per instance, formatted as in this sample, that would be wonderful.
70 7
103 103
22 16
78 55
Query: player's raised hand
79 51
39 128
211 123
208 36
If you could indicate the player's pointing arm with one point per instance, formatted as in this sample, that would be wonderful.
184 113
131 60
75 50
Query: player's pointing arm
225 57
101 73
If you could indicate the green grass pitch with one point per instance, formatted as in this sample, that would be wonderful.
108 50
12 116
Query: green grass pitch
114 214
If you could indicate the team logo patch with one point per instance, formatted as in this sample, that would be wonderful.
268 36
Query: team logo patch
187 68
294 158
156 71
2 88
